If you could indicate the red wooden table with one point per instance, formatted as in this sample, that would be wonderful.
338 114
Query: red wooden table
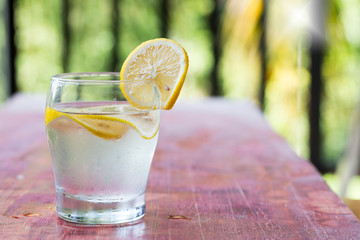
219 172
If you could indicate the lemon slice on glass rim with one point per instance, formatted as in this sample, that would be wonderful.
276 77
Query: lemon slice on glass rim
161 62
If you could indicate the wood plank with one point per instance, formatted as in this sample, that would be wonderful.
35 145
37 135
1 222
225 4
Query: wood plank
219 172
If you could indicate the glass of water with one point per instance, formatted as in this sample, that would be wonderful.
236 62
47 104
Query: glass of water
101 145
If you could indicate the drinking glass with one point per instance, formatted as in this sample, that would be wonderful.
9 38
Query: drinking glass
101 145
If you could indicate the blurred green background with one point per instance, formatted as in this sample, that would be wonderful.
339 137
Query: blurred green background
55 36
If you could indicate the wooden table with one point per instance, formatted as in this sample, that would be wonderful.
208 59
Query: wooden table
219 172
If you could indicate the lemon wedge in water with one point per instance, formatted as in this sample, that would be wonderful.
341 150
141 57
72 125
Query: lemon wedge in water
109 126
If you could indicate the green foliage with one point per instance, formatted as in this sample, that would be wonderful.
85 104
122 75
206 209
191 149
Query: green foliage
139 22
40 45
352 190
341 71
38 41
189 26
90 37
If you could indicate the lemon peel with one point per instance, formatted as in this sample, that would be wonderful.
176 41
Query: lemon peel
159 62
103 126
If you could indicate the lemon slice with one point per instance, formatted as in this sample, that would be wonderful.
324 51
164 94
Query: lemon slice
109 127
164 63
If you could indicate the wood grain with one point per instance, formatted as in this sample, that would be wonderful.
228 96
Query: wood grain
219 172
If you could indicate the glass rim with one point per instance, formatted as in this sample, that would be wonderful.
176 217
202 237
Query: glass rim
70 78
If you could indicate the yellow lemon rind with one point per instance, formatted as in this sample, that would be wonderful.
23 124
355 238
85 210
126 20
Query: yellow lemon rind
51 114
175 93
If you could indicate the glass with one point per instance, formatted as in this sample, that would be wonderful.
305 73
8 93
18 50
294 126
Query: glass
101 146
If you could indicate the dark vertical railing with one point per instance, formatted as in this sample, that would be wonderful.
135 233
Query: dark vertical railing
114 58
263 55
164 18
214 25
317 50
316 55
10 47
66 35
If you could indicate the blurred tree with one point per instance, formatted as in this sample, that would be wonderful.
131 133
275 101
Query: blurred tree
8 50
164 18
236 49
263 54
318 16
189 25
287 88
240 58
341 70
38 42
215 26
114 57
66 35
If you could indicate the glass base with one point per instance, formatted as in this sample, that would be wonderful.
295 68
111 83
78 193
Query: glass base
78 209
